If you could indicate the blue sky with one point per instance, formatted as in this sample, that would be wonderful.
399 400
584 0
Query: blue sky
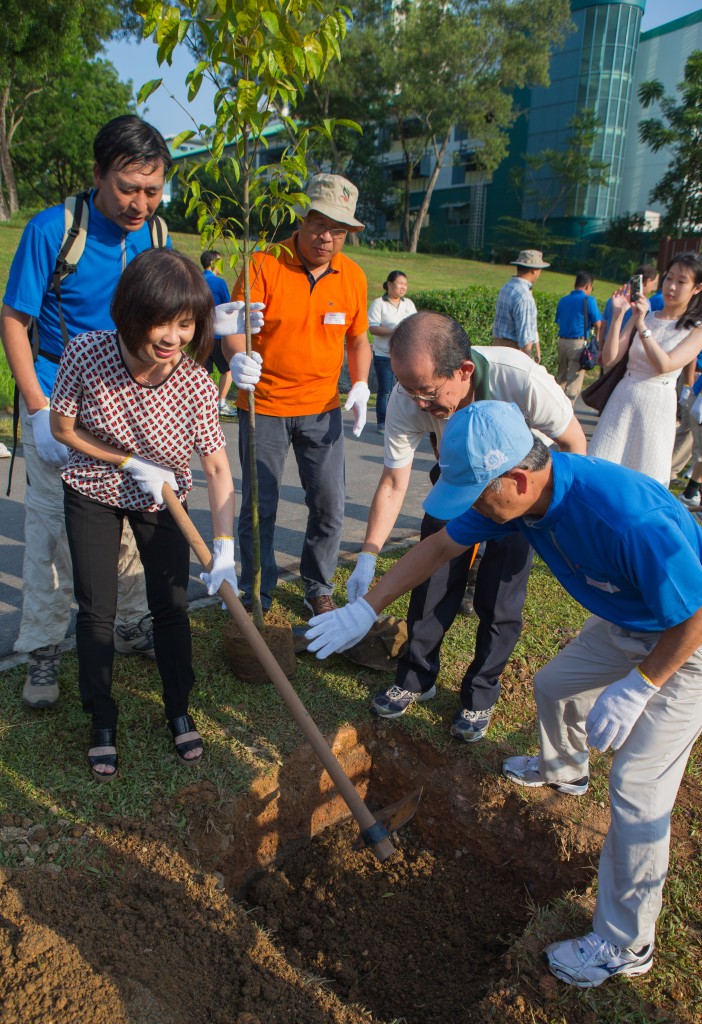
138 62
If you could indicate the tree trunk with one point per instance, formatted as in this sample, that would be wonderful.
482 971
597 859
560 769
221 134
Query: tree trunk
9 203
409 168
439 154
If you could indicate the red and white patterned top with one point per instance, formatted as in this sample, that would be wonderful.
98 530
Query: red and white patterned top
164 424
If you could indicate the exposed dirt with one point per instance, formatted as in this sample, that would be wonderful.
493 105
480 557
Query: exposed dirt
154 930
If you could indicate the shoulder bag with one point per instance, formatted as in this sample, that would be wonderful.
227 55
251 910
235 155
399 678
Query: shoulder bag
597 394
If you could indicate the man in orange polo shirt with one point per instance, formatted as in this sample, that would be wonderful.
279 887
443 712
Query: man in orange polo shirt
315 299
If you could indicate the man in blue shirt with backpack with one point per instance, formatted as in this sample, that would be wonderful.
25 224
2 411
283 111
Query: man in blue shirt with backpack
61 283
630 681
576 315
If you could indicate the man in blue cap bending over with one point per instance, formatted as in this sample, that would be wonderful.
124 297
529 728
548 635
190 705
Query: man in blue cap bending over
631 680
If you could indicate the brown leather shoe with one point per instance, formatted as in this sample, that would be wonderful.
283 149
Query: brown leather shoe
320 604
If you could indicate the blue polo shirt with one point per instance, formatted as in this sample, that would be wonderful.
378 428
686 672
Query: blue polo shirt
219 289
618 542
570 314
85 295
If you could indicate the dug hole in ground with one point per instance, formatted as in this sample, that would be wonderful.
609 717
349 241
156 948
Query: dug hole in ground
263 912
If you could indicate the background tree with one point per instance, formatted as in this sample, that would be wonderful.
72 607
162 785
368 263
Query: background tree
53 146
261 58
34 37
444 65
573 169
680 188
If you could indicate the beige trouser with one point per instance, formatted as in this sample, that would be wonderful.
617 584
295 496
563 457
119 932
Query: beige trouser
47 571
645 774
570 375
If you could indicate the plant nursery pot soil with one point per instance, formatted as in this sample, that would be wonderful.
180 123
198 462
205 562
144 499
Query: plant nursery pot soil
278 637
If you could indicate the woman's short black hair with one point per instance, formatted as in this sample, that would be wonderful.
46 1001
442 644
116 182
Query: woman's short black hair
157 287
128 140
393 276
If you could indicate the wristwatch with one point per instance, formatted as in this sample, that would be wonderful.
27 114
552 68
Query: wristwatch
646 333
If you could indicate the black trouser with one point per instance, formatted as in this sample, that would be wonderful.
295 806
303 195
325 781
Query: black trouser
94 532
500 590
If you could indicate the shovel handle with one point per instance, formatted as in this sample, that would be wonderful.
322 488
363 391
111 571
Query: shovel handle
371 829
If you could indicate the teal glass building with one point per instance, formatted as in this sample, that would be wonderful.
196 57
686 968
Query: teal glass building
594 70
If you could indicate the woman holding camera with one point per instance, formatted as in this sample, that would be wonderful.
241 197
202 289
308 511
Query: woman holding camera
637 427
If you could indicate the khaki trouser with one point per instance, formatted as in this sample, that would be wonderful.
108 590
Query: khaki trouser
646 771
47 571
570 376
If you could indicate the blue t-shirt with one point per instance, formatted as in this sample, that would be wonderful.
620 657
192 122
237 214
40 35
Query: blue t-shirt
570 314
655 302
85 295
219 289
617 540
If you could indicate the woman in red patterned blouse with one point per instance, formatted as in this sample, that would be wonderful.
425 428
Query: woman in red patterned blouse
133 405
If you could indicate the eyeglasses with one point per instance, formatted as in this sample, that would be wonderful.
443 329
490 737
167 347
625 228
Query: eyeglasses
417 397
316 229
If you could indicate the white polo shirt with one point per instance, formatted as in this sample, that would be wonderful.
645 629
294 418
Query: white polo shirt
384 313
511 377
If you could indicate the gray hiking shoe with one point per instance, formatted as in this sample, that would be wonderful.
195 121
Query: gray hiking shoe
525 771
135 638
41 686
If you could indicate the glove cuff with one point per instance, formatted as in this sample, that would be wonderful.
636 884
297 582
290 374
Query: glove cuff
644 678
224 547
365 556
365 610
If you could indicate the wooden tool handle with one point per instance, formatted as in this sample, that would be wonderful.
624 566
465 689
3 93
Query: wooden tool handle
382 847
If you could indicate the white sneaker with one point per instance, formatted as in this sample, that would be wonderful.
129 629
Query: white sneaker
588 961
525 771
5 452
693 502
225 409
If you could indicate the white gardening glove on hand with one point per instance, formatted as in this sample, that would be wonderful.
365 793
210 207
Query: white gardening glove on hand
362 576
685 392
340 629
696 409
246 370
230 318
358 400
149 476
48 448
617 709
223 567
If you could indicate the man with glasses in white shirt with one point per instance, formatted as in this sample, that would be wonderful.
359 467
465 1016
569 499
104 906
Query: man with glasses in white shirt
439 372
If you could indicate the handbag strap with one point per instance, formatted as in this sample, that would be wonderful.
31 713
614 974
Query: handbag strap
585 328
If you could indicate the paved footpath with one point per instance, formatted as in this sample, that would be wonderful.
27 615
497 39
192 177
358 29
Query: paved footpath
364 461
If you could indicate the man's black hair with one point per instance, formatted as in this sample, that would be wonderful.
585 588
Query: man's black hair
208 257
443 336
583 278
129 140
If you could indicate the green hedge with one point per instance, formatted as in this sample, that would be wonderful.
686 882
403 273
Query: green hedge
474 308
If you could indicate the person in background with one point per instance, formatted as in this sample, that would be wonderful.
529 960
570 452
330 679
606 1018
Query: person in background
637 425
630 681
131 161
133 405
316 300
220 292
576 315
384 315
691 495
649 276
515 323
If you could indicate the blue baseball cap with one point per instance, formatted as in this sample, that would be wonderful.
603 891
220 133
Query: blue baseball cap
481 442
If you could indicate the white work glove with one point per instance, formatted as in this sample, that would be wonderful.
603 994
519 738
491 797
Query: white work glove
48 448
223 567
362 576
696 409
230 318
340 629
685 392
358 399
246 370
149 476
617 709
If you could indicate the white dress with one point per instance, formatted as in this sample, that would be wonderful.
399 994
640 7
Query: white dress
637 426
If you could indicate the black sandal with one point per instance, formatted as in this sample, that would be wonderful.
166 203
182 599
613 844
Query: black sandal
180 727
103 738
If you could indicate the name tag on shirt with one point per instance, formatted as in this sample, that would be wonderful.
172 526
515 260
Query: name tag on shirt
335 318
